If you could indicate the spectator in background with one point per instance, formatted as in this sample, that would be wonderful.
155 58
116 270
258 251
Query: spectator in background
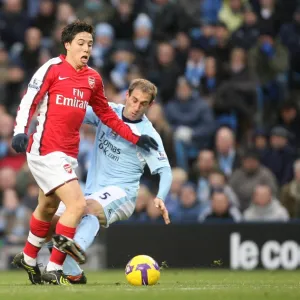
260 141
220 209
218 182
222 47
248 176
209 10
269 60
231 13
123 18
189 207
24 178
246 35
14 218
279 157
180 177
8 157
30 200
268 14
265 207
237 94
14 85
205 35
286 10
103 45
192 8
164 71
200 172
45 19
65 13
142 40
8 179
210 80
95 11
227 155
13 22
4 67
157 117
195 64
290 37
192 121
289 118
28 57
182 45
6 130
56 47
168 18
290 193
122 58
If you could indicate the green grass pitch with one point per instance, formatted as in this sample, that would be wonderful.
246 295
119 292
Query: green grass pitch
174 284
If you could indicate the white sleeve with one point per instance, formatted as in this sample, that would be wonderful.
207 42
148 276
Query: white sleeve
37 89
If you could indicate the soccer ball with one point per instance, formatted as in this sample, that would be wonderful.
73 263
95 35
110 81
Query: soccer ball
142 270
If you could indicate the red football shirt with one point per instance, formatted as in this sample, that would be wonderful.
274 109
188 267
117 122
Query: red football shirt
62 95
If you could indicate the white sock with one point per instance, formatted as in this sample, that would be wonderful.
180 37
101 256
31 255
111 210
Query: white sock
53 266
29 260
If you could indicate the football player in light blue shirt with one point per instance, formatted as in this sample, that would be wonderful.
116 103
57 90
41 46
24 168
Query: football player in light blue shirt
115 171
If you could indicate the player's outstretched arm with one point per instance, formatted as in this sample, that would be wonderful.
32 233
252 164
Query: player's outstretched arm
165 181
108 117
159 203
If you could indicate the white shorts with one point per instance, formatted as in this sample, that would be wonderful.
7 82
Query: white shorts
114 201
52 170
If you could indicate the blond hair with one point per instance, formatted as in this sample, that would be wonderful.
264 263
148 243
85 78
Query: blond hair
145 86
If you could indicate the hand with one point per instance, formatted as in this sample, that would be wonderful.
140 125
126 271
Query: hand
19 142
184 134
146 142
164 212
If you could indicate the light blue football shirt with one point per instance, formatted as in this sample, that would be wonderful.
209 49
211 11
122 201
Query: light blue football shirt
115 161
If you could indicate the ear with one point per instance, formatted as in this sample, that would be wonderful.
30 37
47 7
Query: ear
152 103
126 96
67 46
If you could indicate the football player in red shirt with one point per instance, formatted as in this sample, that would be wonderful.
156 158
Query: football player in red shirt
61 89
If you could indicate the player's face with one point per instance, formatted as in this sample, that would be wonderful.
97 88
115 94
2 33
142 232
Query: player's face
79 50
136 105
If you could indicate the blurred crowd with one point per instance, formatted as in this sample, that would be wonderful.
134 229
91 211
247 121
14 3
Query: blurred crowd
227 109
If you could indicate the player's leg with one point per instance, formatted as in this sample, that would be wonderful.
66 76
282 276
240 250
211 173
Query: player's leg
84 237
71 195
79 276
39 227
108 205
55 175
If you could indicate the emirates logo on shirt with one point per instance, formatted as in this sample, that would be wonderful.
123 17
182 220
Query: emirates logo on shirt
91 81
68 168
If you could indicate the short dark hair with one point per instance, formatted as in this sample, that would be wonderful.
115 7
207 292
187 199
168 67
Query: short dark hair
69 32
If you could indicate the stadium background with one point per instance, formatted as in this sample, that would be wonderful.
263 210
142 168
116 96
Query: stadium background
227 110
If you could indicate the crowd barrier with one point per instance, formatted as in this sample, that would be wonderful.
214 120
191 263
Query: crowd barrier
243 246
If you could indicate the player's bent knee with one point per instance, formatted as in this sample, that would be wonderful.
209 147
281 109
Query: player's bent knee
96 209
47 209
50 210
78 208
